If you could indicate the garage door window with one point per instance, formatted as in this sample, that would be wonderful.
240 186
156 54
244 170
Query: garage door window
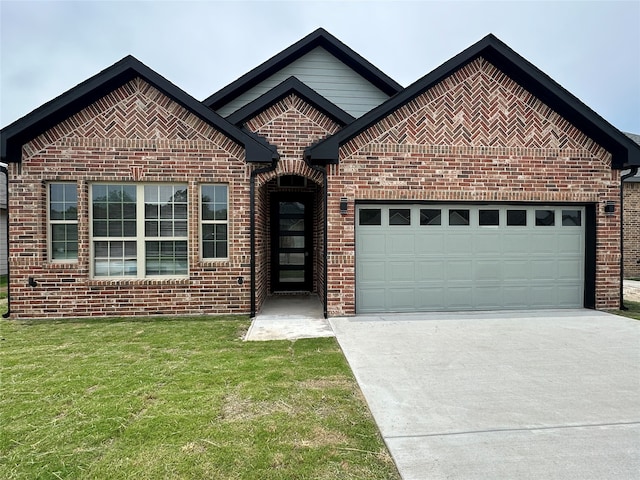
430 216
488 218
571 218
370 216
399 216
545 218
517 218
458 217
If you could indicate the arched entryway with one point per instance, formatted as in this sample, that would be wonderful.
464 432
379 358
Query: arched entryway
290 236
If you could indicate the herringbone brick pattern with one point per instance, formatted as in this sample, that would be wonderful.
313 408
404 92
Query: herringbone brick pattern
292 125
478 106
135 112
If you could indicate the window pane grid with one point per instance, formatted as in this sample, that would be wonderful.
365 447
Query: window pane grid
63 221
214 221
126 216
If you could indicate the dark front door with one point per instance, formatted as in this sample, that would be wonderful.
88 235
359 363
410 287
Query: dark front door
291 260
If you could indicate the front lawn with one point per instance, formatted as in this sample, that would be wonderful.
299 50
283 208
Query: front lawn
633 310
179 398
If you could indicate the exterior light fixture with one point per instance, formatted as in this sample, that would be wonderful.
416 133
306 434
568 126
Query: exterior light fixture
609 208
343 205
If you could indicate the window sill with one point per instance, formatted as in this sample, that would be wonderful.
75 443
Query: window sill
139 281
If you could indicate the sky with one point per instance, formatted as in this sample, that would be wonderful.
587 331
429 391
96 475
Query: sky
591 48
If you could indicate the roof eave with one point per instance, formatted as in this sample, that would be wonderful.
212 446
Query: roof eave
317 38
15 135
623 150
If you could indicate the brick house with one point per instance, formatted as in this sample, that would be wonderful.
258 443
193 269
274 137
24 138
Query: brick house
631 216
483 185
4 245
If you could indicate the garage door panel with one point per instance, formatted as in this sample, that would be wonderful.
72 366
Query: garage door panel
458 243
401 271
487 270
429 242
372 244
569 243
515 243
459 297
543 296
516 296
372 272
398 244
489 297
543 242
515 269
429 270
567 295
466 266
570 269
487 243
400 299
543 269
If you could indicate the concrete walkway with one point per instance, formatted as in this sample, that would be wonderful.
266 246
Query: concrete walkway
289 317
502 395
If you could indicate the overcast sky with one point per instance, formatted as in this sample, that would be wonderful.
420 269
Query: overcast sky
47 47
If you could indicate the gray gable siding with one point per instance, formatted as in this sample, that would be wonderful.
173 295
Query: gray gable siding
325 74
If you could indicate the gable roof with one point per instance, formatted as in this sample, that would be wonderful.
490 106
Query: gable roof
625 152
289 86
81 96
318 38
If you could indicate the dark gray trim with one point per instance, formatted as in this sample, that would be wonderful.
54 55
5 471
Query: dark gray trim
15 135
295 86
318 38
5 171
625 151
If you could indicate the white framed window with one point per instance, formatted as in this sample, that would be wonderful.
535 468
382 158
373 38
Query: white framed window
62 216
139 230
214 221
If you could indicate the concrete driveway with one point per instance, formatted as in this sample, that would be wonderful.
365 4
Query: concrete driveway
495 395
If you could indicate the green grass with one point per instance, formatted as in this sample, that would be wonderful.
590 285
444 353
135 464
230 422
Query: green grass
3 286
179 398
632 312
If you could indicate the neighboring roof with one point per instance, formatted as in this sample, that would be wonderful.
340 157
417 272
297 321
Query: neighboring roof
318 38
57 110
636 138
624 151
289 86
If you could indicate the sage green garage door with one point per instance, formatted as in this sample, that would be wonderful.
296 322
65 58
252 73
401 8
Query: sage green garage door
412 258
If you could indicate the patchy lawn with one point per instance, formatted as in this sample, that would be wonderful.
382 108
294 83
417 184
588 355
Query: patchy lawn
632 312
179 398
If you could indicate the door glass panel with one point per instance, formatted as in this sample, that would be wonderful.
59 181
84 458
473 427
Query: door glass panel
430 216
292 259
370 216
571 218
545 218
291 276
292 224
295 208
489 217
287 241
517 218
458 217
399 216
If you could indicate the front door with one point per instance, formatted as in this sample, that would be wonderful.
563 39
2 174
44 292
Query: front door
291 259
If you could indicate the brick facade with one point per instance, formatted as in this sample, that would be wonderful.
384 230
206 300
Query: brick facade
473 135
439 147
134 134
631 229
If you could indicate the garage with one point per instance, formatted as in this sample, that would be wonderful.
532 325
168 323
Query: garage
438 257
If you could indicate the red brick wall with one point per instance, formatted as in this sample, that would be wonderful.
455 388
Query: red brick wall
292 125
133 134
476 136
631 229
